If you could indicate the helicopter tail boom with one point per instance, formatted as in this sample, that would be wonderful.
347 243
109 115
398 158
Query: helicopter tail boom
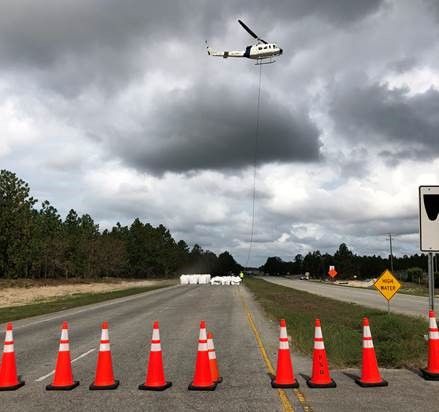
225 54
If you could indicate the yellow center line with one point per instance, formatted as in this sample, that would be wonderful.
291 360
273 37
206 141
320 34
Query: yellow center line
286 404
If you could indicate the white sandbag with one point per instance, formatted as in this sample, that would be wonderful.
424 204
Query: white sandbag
216 280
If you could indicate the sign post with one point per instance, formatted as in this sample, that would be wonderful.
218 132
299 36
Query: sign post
387 285
429 230
431 280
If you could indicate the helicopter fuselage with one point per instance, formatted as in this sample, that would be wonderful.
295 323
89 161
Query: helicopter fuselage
262 51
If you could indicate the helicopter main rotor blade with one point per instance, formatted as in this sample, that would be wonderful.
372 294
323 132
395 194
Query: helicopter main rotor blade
251 32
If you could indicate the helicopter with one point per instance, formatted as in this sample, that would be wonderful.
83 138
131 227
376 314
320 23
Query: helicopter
259 52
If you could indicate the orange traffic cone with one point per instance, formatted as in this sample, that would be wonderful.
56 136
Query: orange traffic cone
370 375
431 372
63 379
212 359
155 377
104 378
202 377
284 374
9 381
320 372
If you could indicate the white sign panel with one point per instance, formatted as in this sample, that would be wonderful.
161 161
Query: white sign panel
429 218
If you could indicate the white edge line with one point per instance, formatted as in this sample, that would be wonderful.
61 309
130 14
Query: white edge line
74 360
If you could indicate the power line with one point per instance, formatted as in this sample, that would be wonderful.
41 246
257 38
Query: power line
255 155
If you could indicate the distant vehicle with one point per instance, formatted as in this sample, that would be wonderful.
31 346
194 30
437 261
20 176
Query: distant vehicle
305 277
259 52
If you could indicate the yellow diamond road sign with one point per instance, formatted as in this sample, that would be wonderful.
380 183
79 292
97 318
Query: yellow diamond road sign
387 284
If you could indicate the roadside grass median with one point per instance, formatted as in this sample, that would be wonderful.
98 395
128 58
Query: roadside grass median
12 313
398 339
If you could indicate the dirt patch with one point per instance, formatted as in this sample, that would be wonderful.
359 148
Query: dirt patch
32 293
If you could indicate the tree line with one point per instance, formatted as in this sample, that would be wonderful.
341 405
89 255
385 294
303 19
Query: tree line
35 242
348 265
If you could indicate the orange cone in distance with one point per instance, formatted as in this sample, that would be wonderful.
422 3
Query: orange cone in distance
202 377
370 375
63 378
212 359
284 373
431 372
320 372
9 380
104 378
155 376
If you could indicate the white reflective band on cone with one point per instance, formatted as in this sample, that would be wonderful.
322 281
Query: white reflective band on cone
203 334
367 343
283 332
283 345
155 347
212 355
104 347
210 344
104 334
366 332
202 347
65 334
64 347
318 332
155 334
9 337
433 334
318 344
432 323
8 348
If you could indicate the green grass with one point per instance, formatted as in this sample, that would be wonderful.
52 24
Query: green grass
398 339
78 299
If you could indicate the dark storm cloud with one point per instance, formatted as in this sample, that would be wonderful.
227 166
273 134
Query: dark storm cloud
211 127
375 113
84 42
336 11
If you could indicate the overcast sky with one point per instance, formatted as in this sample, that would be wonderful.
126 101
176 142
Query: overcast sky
114 108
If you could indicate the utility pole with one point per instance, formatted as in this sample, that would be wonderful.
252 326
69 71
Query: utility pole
391 252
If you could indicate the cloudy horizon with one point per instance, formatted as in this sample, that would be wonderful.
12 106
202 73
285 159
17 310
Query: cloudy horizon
115 109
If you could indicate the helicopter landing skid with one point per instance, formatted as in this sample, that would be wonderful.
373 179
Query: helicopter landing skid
260 63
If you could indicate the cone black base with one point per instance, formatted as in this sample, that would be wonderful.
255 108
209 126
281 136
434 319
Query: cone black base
94 387
219 380
331 384
62 388
284 385
371 385
13 387
429 376
202 388
155 388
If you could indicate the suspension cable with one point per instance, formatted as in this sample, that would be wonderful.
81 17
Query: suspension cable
255 158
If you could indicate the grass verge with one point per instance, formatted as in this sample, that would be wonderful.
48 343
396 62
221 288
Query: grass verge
80 299
398 339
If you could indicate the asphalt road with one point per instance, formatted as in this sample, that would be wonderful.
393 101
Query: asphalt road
234 318
401 303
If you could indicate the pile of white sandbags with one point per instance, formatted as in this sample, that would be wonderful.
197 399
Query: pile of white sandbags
226 280
195 279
